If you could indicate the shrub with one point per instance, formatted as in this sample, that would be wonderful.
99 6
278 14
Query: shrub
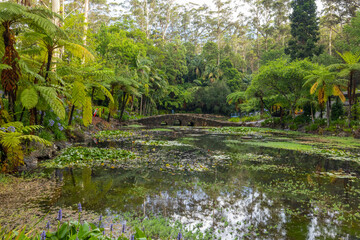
234 119
302 119
337 110
294 127
314 127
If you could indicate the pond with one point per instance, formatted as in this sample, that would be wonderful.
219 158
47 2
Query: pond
231 185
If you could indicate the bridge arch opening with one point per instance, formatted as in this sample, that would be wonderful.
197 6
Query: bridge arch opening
177 122
191 124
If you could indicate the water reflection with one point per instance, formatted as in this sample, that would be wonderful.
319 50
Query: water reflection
233 201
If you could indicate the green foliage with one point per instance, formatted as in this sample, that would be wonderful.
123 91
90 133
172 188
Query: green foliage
29 98
213 98
12 135
337 110
81 156
304 30
112 135
69 230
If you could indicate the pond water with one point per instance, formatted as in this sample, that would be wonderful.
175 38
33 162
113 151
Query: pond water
222 184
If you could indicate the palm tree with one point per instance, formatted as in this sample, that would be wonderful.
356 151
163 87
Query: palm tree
11 14
325 83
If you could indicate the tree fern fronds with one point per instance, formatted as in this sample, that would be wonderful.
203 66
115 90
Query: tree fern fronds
39 21
105 92
35 139
55 77
17 125
87 112
77 50
28 129
10 139
4 66
51 98
314 87
78 94
235 97
25 69
29 98
33 51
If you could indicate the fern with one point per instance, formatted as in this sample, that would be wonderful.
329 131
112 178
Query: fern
35 139
51 98
4 66
87 112
10 139
105 92
78 94
29 98
77 50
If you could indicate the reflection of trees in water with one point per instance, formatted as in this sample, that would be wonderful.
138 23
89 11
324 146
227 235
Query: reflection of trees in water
82 186
230 199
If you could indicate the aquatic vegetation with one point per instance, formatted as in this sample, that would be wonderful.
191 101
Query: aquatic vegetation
160 143
113 135
82 156
252 157
160 130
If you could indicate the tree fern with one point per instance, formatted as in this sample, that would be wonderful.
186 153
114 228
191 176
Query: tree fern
35 139
105 92
4 66
78 94
87 112
29 98
10 139
77 50
51 98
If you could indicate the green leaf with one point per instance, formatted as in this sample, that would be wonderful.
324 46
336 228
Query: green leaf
139 235
29 98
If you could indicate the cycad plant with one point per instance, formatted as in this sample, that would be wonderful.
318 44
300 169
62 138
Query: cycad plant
12 135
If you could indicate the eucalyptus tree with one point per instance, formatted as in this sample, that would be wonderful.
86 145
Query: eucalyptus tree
344 9
145 13
220 22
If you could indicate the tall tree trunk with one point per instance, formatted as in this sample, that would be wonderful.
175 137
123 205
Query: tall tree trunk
328 111
86 14
141 104
293 112
123 105
71 114
48 64
312 113
350 97
22 114
330 42
10 77
92 94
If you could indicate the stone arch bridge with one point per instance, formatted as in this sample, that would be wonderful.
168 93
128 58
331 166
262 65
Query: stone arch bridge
183 120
